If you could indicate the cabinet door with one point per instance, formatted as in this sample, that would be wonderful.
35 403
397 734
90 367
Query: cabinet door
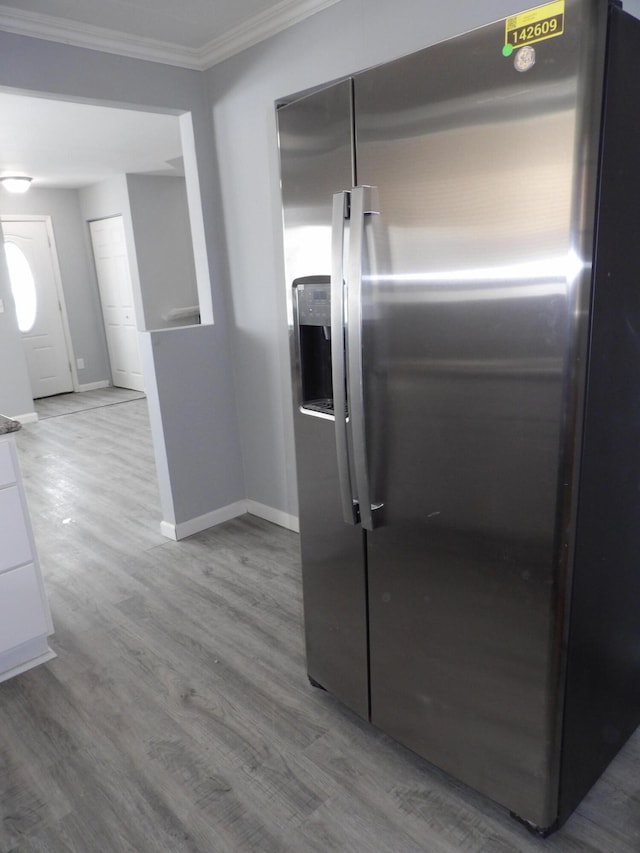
7 471
16 546
22 612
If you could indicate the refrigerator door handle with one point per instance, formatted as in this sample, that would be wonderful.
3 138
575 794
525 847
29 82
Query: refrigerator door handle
341 203
363 204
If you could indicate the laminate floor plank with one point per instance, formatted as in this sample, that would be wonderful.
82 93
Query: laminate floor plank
140 744
178 716
69 404
24 807
263 632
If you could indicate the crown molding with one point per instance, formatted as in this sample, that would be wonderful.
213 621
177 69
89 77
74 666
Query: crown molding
281 16
256 29
50 28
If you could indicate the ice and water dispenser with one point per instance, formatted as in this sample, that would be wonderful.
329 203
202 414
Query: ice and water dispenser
312 318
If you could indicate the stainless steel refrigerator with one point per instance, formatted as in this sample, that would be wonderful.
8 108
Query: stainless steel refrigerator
463 277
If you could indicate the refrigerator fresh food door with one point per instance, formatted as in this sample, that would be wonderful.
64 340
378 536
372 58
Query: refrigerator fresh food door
315 134
474 314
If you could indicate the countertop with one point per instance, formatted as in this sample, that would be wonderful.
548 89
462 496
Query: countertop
8 425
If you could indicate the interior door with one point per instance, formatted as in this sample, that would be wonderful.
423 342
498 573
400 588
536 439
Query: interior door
470 307
116 296
39 305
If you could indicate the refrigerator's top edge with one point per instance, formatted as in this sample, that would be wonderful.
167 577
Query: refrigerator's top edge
304 93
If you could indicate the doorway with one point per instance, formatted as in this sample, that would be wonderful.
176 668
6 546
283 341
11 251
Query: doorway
116 296
37 291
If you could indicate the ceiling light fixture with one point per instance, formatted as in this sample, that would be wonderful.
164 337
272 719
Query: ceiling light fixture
16 183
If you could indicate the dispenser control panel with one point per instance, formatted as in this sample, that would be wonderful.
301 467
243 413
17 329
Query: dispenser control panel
314 304
312 317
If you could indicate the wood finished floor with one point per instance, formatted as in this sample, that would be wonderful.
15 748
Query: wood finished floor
71 404
177 715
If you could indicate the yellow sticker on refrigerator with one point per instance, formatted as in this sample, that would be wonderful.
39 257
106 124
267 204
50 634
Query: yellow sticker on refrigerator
543 22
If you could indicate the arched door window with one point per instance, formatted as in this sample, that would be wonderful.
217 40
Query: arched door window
23 286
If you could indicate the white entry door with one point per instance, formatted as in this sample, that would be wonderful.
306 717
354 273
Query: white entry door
116 295
39 304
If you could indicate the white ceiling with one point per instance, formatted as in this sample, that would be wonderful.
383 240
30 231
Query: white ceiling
68 145
189 33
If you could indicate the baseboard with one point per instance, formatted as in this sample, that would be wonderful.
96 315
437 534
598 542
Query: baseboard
202 522
27 655
94 386
276 516
226 513
29 418
168 530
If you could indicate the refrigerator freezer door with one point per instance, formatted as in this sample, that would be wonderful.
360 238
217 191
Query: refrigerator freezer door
316 162
473 311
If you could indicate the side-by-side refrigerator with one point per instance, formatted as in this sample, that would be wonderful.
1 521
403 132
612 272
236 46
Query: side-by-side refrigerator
462 255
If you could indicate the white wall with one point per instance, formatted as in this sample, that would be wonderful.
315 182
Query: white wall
37 66
102 201
15 388
76 271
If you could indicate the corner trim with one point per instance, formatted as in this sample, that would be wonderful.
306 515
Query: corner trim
202 522
263 26
76 34
226 513
29 418
276 516
94 386
25 657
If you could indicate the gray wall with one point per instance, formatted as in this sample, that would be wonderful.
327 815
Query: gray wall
184 408
238 170
632 7
76 271
347 37
164 251
34 65
108 198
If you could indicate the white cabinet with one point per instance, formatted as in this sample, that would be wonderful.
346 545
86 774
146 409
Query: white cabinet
22 616
25 621
14 533
7 474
